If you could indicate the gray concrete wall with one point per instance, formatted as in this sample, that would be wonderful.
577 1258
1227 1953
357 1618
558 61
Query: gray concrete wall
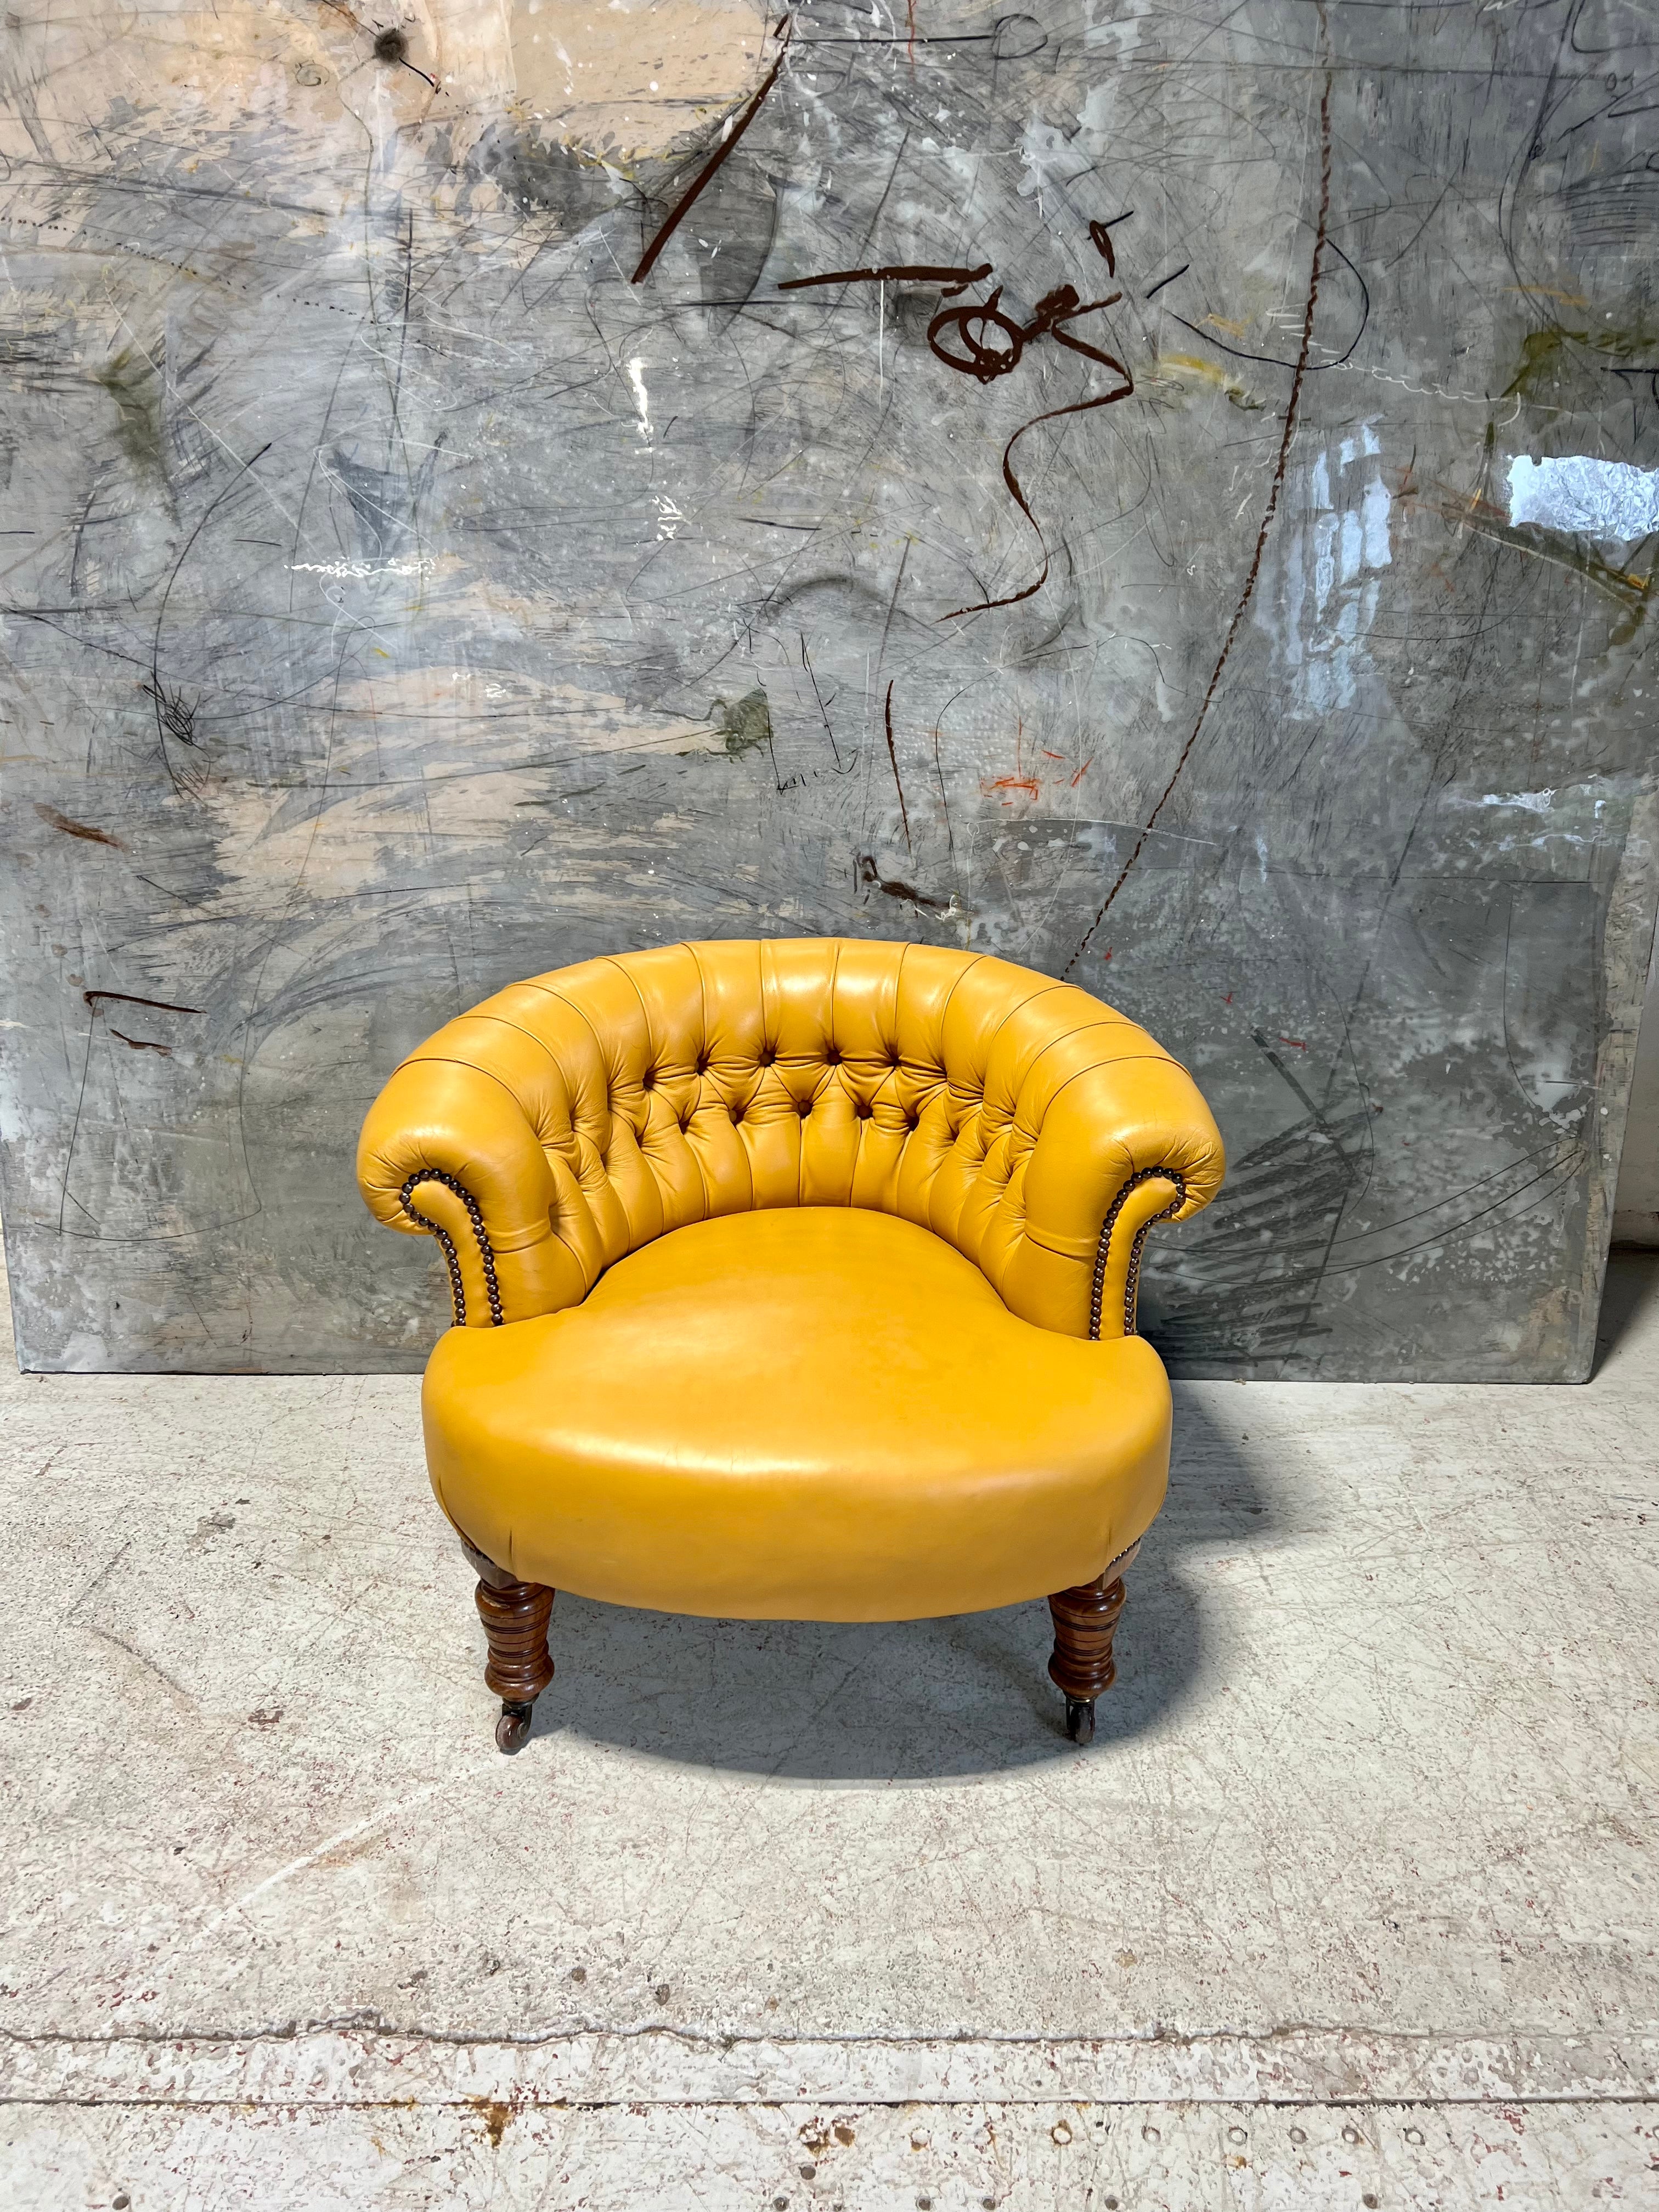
407 590
1636 1209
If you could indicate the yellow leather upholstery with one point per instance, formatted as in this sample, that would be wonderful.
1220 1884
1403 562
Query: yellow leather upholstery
589 1110
874 1195
824 1415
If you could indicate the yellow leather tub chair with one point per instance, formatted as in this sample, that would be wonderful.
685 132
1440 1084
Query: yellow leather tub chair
793 1280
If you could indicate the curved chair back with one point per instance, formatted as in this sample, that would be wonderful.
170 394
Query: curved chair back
570 1118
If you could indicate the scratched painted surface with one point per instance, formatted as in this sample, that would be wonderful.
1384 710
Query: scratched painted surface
401 598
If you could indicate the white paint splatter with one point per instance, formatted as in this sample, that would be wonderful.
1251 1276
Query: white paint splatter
1535 802
1576 492
1328 567
421 566
642 397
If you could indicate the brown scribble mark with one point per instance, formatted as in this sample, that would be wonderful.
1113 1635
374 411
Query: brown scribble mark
71 827
1001 340
978 339
992 344
721 154
1100 234
126 999
904 812
140 1044
873 880
895 272
1269 512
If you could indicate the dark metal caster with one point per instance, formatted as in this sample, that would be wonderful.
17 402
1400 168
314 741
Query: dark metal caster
512 1729
1080 1719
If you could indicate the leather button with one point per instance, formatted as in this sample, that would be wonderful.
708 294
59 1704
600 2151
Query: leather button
685 1122
862 1112
767 1056
702 1064
648 1080
832 1058
911 1121
805 1107
736 1115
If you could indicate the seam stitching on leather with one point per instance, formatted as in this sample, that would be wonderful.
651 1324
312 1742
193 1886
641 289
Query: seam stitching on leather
972 961
1065 1037
836 944
1128 1060
639 1143
702 1056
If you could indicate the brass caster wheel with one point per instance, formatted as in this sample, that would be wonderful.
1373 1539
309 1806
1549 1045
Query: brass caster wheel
512 1728
1080 1719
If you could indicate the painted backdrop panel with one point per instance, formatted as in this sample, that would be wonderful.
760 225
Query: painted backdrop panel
1163 495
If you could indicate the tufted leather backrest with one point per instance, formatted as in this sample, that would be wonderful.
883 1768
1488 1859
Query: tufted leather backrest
572 1118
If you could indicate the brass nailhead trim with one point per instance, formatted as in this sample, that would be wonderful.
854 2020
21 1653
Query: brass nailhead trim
1132 1286
457 1293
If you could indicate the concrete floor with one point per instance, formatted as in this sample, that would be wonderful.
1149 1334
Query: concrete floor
1352 1903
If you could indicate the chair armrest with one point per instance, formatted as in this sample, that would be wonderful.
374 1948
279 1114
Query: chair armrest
1121 1143
448 1150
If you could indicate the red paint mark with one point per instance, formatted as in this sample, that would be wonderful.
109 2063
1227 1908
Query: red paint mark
1083 771
1228 1000
71 827
1107 954
1297 1041
1015 783
910 43
1046 755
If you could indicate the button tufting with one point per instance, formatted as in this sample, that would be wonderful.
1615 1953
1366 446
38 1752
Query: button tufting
648 1080
832 1058
767 1055
736 1115
805 1107
862 1112
911 1121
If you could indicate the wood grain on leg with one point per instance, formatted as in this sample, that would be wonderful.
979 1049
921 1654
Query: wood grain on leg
515 1615
1081 1664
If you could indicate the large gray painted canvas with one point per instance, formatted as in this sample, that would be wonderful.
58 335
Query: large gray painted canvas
445 538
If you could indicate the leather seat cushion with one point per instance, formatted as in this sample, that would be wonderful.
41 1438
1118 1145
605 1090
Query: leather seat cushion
816 1413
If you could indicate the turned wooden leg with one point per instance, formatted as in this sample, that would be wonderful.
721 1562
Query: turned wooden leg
1085 1619
515 1615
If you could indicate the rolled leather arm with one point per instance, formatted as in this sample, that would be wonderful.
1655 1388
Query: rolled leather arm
1120 1144
448 1150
